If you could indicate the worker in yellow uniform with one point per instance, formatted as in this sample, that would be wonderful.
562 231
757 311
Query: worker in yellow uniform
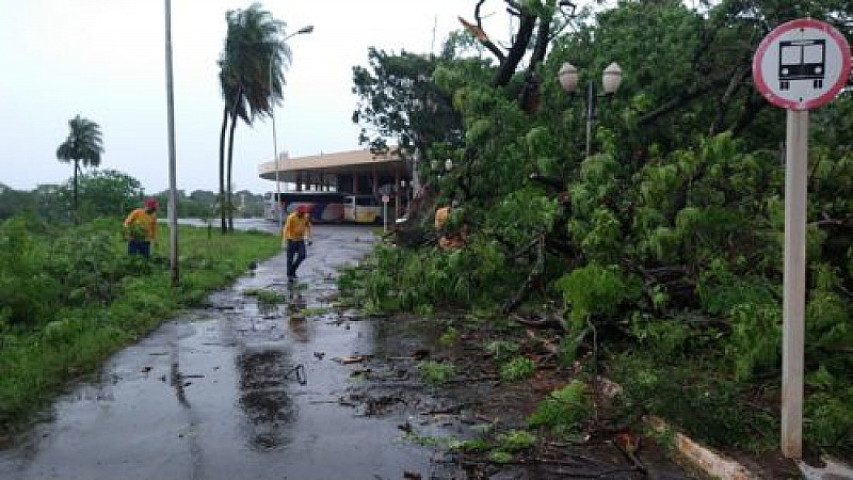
296 231
446 239
140 227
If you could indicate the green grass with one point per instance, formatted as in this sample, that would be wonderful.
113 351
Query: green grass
517 369
265 296
38 359
436 373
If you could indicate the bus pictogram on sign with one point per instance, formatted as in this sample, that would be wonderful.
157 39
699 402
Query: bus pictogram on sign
802 60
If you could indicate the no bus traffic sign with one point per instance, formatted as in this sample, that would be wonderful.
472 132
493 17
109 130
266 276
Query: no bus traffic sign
801 64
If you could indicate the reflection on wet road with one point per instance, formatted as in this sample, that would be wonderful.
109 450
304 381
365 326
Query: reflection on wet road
216 393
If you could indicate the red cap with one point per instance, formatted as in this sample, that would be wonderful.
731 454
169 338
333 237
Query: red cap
302 208
151 204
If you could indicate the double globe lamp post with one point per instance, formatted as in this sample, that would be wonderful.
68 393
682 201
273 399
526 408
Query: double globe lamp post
308 29
610 80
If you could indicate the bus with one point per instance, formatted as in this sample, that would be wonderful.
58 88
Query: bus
362 209
325 207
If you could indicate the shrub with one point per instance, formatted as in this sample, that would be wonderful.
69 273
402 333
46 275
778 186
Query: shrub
501 350
519 368
28 293
563 409
516 440
436 373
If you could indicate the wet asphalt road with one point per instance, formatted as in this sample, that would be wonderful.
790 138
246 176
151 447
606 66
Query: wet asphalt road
213 393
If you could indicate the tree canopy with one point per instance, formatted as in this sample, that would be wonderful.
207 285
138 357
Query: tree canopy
251 79
84 145
669 236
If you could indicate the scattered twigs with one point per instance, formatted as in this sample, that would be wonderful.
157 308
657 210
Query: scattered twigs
541 323
299 370
535 275
449 410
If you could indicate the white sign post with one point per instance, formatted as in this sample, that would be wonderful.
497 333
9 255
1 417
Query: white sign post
385 200
800 65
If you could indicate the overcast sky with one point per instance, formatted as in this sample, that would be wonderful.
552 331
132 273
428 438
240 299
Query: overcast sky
104 60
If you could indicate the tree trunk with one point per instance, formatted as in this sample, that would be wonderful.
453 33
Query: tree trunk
222 169
516 53
76 205
229 205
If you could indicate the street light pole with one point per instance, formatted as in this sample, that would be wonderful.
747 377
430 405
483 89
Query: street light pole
308 29
590 115
610 79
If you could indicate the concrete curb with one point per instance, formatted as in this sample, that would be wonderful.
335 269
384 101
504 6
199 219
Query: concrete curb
703 458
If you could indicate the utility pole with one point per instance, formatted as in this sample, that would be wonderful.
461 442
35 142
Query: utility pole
173 194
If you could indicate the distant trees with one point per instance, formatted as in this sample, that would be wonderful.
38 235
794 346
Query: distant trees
83 145
251 79
13 202
203 204
109 193
105 193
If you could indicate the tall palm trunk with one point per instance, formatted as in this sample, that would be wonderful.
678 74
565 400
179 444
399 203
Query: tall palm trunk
76 205
228 205
230 164
224 226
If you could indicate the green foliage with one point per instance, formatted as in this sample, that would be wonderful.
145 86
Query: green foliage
90 264
827 416
519 368
14 202
516 440
595 290
500 456
698 398
563 409
664 338
265 295
399 100
756 337
436 373
28 293
501 350
449 337
395 279
104 193
472 445
670 235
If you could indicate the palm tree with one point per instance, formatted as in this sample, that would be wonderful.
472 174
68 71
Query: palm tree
254 47
83 145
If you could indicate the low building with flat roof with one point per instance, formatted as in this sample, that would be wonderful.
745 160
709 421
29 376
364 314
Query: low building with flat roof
354 171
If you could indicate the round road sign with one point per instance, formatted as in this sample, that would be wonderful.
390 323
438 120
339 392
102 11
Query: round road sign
801 64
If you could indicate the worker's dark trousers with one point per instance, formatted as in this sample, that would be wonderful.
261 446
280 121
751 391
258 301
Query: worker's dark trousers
295 255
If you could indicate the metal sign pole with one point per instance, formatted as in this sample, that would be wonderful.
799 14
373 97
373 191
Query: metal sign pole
793 305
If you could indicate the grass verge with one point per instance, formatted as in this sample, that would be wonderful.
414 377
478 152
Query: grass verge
38 359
